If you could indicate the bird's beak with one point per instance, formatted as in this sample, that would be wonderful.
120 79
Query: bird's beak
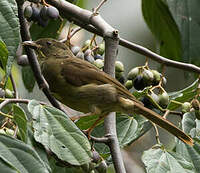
31 44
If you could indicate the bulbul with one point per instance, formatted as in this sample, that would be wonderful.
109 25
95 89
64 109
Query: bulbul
85 88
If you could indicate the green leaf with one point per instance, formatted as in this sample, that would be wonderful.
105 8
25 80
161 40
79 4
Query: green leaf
21 121
163 26
183 95
28 78
9 29
129 129
51 30
86 122
186 14
19 156
191 126
3 54
57 132
158 160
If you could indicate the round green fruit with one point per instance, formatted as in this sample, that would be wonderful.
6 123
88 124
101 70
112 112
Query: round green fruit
133 73
119 66
186 106
163 99
99 63
129 84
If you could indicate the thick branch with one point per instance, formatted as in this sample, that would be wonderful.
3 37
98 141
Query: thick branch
98 26
33 59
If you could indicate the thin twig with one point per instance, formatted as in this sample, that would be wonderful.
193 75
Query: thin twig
104 140
95 10
157 133
16 94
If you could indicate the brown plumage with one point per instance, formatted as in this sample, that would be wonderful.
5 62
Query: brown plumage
83 87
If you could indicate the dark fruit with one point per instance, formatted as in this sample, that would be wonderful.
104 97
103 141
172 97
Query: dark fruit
42 22
129 84
97 56
147 103
36 14
133 73
75 49
87 52
89 58
121 80
52 12
23 60
138 83
43 13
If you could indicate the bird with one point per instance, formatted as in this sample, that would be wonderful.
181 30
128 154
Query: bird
83 87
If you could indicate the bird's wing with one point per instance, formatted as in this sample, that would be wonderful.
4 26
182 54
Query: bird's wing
79 72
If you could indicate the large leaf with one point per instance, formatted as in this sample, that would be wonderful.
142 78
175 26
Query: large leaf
158 160
9 29
129 129
16 156
51 30
3 54
57 132
183 95
21 121
187 16
163 26
190 125
28 78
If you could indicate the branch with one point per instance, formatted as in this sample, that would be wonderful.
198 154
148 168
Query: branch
111 43
33 59
82 18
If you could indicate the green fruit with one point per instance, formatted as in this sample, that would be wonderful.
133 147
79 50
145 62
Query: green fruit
163 99
133 73
118 75
86 43
156 77
28 11
129 84
2 93
101 49
99 63
119 66
9 94
147 77
164 81
186 106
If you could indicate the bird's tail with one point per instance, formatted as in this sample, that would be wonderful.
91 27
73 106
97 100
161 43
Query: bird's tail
129 106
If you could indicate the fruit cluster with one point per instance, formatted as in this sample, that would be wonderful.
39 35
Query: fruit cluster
141 77
94 55
40 14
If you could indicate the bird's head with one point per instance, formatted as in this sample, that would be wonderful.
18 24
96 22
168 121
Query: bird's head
48 47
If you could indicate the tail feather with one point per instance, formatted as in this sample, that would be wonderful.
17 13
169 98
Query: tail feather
128 106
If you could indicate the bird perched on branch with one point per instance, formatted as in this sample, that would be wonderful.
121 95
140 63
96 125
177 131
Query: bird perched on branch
85 88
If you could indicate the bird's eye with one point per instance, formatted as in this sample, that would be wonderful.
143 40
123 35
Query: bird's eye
49 43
